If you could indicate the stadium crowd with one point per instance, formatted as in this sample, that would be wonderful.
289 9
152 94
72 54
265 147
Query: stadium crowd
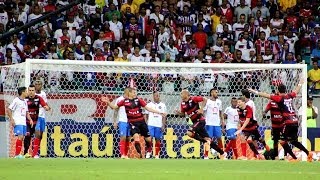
191 31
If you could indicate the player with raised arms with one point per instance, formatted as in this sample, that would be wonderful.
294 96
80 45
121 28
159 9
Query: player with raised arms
232 117
291 123
156 123
214 118
120 120
138 126
18 114
249 126
276 124
34 102
192 107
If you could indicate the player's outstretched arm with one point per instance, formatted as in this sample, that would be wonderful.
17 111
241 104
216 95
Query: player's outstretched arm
262 94
106 100
150 109
179 113
243 126
299 86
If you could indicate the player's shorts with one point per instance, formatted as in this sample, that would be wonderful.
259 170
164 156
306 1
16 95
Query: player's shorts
155 132
140 128
20 130
231 133
30 130
214 131
124 129
289 133
41 124
276 133
254 134
199 127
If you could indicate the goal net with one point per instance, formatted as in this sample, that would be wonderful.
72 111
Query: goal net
81 124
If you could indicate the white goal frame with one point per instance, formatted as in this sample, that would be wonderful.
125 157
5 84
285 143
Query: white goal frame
64 63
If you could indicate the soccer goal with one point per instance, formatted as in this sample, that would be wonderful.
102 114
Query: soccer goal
81 125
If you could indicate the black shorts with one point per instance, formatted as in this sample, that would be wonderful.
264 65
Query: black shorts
31 130
199 127
140 128
254 134
289 133
276 133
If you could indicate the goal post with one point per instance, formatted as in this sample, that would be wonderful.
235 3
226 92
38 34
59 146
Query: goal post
81 126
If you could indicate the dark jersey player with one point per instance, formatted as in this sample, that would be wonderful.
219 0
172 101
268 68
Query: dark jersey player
249 126
276 123
34 103
133 107
291 125
191 107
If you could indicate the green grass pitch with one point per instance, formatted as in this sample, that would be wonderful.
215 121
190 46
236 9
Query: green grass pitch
151 169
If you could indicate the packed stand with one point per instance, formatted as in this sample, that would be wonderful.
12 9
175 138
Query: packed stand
190 31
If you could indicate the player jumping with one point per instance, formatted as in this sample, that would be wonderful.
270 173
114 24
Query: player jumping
133 106
291 123
120 120
156 123
18 113
191 107
232 117
249 126
214 118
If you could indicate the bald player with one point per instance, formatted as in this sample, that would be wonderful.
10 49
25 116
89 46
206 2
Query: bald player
192 107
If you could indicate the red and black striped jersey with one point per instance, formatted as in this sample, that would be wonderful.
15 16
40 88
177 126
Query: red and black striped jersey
285 104
34 106
191 107
245 113
276 115
133 108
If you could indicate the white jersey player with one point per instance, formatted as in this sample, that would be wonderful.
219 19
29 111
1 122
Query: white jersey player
41 123
232 116
18 113
214 116
156 123
120 120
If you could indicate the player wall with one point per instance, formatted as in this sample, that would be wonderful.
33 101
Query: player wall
80 126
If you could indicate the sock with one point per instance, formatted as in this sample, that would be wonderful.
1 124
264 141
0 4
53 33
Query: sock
137 146
215 147
287 149
263 143
228 147
275 148
244 149
36 145
199 138
220 145
149 146
18 147
158 147
234 147
122 147
26 144
300 146
253 148
127 148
